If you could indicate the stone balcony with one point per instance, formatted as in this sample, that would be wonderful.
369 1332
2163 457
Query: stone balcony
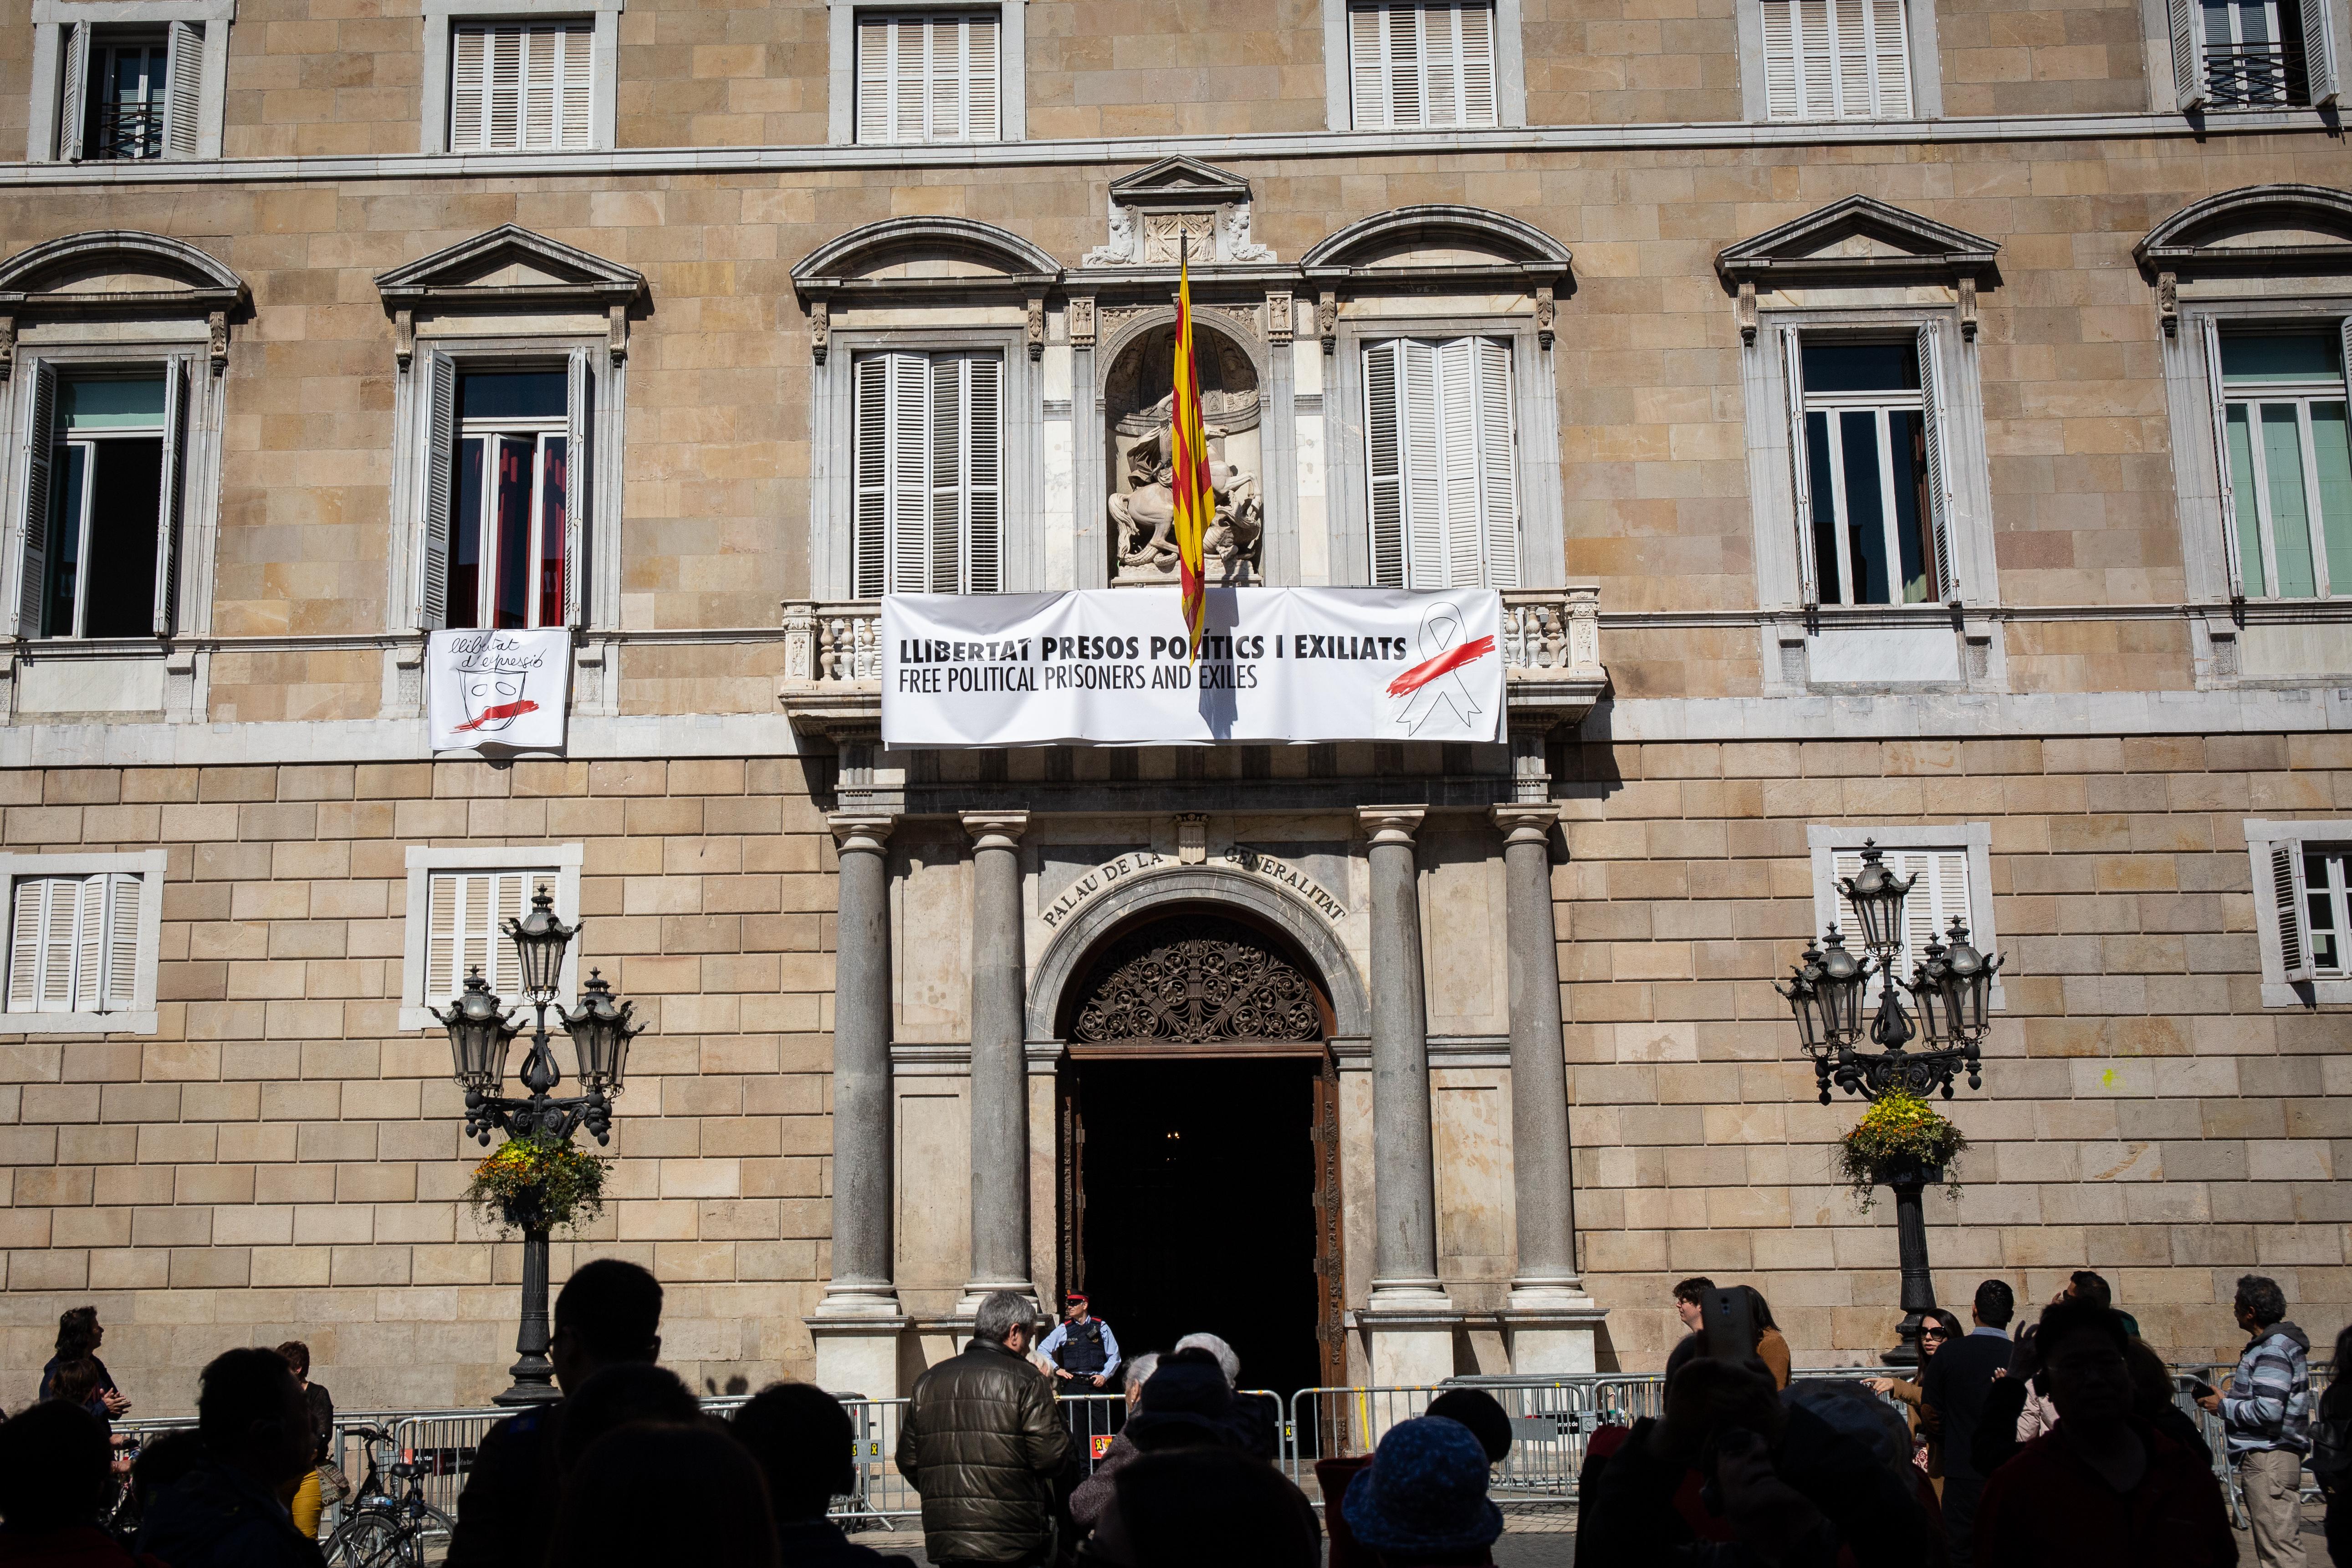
1551 649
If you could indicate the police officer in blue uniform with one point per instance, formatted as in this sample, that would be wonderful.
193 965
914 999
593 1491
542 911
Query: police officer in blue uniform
1081 1347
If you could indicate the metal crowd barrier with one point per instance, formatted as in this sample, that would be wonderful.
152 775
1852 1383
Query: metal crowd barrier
1552 1420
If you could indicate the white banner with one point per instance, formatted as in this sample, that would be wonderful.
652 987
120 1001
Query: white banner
1109 665
503 688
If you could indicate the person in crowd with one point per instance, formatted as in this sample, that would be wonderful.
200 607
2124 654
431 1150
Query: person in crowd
983 1444
1422 1500
1771 1349
1259 1415
623 1394
54 1486
2083 1285
225 1512
1687 1297
608 1314
2331 1452
1938 1329
1848 1407
2103 1489
79 1334
1205 1507
310 1501
1952 1399
801 1439
2265 1418
1732 1474
1483 1414
1081 1348
1093 1494
160 1466
652 1492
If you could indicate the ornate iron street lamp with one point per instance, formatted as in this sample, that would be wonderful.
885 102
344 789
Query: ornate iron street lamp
1952 988
480 1031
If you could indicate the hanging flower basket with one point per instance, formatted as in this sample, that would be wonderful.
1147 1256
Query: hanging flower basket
539 1183
1900 1138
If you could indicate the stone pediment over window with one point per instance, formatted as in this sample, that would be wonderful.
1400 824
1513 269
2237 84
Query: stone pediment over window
1158 208
511 271
1859 243
914 260
1449 249
2263 231
116 274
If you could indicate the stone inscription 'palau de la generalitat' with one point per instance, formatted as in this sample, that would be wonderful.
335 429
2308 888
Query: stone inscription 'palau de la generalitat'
1943 456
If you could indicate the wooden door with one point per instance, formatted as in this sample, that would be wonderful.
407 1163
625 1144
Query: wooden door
1330 1275
1070 1137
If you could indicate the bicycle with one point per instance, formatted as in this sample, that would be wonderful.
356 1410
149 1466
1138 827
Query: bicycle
381 1530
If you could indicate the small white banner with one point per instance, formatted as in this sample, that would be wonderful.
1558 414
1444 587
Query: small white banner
1108 666
503 688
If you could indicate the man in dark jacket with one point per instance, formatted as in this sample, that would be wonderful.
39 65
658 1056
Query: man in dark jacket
224 1513
983 1444
608 1314
1952 1400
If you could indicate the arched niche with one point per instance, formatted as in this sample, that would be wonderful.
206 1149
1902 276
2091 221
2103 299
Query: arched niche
1068 959
1135 399
116 274
1436 235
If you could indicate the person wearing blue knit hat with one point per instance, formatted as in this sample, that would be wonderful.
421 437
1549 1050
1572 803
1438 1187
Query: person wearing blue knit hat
1423 1502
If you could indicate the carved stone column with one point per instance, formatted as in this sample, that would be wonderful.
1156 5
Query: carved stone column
1550 1318
857 1325
1409 1317
1000 1072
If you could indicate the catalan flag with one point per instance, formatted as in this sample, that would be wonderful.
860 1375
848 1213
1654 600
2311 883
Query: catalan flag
1196 503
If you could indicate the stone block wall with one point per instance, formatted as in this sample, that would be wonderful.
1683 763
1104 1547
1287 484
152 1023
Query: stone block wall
2143 1114
280 1159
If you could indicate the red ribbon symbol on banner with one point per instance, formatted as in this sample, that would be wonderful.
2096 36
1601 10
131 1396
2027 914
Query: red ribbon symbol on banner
503 710
1441 631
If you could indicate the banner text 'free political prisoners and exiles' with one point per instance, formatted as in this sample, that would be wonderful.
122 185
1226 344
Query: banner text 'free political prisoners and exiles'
1109 665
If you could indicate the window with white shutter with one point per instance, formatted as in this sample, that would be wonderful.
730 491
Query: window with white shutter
1422 66
1939 893
928 473
1951 865
459 901
465 913
1440 455
82 939
2252 54
2303 909
929 77
519 87
1836 59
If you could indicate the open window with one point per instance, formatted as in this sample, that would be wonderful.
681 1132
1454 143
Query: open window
2252 54
506 488
1866 443
2286 492
106 461
1869 485
2302 909
130 80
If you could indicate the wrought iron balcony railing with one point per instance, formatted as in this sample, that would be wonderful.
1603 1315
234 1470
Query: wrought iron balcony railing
2258 77
126 130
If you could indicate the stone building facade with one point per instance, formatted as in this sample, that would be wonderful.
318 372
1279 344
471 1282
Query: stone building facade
2079 658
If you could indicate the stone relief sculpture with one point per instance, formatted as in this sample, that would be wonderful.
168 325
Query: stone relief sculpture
1142 503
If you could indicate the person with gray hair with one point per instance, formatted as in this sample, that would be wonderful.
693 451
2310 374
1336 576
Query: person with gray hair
1257 1417
1227 1361
1094 1493
983 1443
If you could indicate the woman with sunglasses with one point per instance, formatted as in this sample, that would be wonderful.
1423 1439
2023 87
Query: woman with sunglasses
1939 1329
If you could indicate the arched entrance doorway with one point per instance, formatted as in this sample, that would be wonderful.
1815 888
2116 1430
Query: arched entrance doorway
1199 1154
